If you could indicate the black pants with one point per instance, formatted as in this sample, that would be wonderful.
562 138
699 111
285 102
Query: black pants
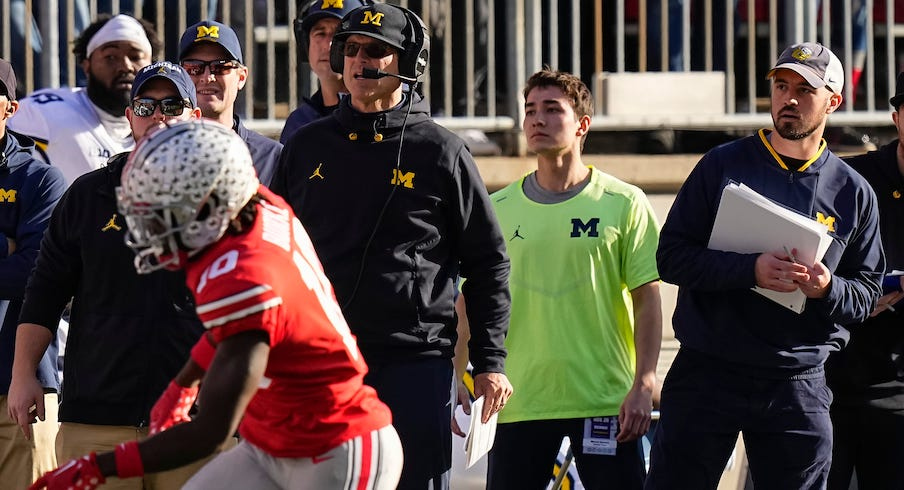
870 440
785 422
524 453
419 395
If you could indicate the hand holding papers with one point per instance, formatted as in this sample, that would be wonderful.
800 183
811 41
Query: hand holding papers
480 436
748 222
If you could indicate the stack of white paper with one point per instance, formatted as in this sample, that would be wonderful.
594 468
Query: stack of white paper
480 436
748 222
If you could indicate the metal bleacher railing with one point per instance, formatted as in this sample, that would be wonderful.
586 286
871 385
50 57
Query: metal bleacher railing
483 50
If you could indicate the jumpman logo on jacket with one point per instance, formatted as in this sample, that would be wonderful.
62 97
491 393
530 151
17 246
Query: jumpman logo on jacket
317 172
111 225
517 234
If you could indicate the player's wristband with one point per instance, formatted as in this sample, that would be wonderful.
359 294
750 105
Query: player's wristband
128 460
203 351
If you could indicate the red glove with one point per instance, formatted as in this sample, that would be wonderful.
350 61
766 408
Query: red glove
172 407
77 474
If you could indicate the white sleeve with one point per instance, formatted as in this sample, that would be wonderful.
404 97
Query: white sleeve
29 120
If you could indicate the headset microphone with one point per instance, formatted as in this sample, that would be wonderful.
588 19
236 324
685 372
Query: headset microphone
374 74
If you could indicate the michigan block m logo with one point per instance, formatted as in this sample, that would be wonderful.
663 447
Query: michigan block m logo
826 220
578 226
8 195
331 4
404 178
375 18
204 31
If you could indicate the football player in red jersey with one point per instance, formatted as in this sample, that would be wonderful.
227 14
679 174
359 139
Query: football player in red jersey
278 356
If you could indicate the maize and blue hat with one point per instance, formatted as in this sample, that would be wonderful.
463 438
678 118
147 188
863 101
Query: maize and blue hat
380 21
211 31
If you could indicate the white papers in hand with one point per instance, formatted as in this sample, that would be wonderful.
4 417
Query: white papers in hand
748 222
480 436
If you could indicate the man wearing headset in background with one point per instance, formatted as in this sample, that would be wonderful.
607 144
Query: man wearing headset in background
396 210
314 28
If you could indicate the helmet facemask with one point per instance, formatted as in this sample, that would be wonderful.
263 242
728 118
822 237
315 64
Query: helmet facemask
181 188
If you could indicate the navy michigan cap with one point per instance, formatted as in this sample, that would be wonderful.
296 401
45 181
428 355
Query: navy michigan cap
170 71
210 31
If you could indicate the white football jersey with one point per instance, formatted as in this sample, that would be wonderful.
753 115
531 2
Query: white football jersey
66 128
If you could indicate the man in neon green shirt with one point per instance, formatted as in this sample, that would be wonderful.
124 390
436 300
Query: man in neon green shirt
586 322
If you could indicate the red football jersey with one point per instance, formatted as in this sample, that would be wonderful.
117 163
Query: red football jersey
312 397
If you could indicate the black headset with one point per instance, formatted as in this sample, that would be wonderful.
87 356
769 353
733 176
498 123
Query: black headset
415 48
306 8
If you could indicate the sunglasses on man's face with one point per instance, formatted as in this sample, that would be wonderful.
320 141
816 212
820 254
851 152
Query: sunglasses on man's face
195 68
372 50
170 106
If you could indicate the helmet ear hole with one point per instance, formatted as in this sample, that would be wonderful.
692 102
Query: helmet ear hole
204 212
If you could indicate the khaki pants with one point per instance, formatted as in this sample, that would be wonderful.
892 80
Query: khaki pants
76 440
23 461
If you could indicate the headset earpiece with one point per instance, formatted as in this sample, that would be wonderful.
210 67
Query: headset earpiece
317 8
337 59
301 34
413 62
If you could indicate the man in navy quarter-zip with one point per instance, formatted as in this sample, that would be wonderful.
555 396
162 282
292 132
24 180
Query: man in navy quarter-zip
29 190
747 364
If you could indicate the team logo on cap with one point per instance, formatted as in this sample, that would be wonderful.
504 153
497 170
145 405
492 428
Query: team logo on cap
331 4
802 53
204 31
373 18
162 71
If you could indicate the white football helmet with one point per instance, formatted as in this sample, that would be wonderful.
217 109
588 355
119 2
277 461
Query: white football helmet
180 188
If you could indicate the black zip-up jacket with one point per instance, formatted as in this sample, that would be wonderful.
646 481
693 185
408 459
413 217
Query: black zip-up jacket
129 334
393 261
870 370
29 190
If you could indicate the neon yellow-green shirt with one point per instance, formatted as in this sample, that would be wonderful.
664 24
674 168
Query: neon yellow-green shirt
571 337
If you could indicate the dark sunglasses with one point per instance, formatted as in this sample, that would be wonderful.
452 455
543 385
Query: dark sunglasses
372 50
170 106
217 67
